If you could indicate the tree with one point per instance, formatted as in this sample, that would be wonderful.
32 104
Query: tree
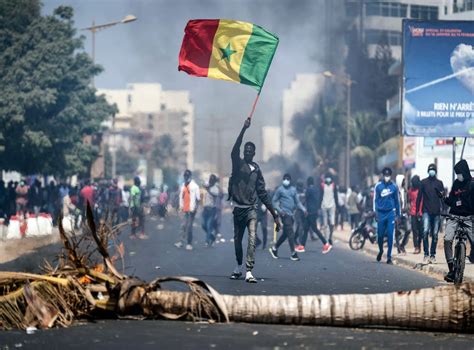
321 135
47 106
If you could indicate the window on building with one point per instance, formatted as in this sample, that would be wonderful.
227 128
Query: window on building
163 106
386 9
375 36
424 12
352 9
129 98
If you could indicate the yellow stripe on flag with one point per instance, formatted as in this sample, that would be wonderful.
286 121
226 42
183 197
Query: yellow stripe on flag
228 49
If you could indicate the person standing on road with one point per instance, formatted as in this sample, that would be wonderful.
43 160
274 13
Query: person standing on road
286 202
460 202
189 197
431 209
300 217
387 210
329 205
402 227
353 208
245 186
211 192
136 208
313 202
415 217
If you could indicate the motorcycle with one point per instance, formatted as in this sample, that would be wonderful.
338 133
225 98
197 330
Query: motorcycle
365 230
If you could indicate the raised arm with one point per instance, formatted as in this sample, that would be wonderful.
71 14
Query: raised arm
235 155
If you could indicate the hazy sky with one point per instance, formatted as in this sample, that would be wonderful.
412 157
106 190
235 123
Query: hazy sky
147 51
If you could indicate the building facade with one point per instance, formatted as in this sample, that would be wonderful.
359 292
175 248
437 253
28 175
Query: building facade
148 110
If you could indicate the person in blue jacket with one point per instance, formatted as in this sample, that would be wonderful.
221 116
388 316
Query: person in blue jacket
387 209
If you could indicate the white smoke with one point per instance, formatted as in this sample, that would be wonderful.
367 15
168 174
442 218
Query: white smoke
462 60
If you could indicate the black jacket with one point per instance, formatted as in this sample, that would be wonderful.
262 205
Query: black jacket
245 184
313 199
461 197
428 194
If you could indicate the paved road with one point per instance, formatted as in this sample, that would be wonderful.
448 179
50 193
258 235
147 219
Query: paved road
341 271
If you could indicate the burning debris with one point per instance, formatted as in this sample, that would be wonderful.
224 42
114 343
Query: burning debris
85 284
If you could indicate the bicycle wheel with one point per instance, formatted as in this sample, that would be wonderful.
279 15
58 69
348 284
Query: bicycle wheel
357 240
459 262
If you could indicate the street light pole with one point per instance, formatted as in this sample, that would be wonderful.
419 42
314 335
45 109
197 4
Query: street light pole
95 28
348 82
348 135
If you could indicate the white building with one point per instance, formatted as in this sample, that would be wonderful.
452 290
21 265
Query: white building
147 108
376 19
271 142
299 98
457 10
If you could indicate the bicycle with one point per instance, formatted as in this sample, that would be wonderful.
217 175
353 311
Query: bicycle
363 231
460 236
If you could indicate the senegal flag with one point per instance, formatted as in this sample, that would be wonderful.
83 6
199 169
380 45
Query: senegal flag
230 50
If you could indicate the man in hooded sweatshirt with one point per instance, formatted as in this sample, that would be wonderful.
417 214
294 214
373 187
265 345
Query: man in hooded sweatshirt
429 192
460 202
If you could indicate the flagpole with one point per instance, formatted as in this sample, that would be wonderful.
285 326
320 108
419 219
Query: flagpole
254 105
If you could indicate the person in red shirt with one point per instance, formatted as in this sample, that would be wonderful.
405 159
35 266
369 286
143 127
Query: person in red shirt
416 223
87 195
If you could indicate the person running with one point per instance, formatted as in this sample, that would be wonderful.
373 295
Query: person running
286 201
431 209
415 217
313 203
387 209
245 186
189 197
211 192
136 208
460 202
329 205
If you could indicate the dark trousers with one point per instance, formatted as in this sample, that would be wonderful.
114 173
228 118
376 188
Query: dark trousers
355 218
300 224
263 221
288 232
245 218
187 227
402 233
430 228
311 223
138 220
417 229
209 219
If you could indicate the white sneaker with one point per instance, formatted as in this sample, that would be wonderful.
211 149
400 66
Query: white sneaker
432 260
178 244
249 277
189 247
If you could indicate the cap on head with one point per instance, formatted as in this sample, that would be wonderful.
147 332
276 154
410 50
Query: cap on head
387 171
432 167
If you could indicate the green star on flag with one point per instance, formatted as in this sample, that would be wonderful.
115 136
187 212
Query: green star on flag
227 52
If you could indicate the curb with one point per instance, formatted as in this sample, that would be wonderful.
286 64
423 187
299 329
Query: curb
427 269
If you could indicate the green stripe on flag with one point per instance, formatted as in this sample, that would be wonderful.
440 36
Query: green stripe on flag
258 57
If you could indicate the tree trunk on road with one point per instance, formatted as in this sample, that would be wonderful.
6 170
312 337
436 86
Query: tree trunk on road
445 308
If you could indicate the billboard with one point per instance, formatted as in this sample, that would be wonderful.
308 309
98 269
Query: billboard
438 78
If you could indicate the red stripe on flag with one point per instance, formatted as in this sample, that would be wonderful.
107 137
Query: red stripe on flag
196 49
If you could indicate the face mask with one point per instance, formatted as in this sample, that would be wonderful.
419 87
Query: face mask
387 178
432 173
460 177
286 182
328 181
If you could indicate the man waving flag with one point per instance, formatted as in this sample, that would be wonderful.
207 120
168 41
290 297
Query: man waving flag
229 50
